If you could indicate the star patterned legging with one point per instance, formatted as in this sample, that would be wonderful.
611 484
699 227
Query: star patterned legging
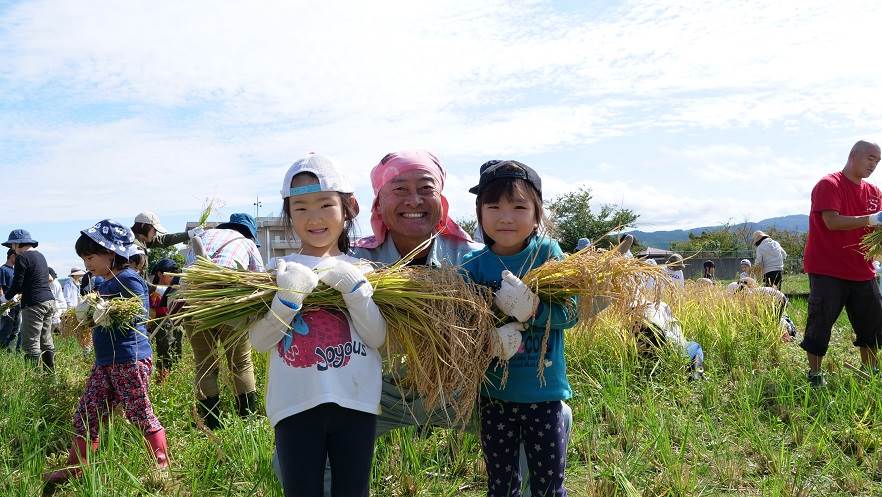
540 425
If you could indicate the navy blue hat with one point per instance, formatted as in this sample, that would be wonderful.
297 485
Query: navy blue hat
114 237
19 236
243 223
165 266
493 170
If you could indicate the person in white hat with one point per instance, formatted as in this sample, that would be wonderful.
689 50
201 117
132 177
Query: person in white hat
769 259
674 269
745 268
71 288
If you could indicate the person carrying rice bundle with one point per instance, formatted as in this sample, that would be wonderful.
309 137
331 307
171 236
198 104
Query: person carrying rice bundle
31 280
232 244
844 209
123 357
410 209
11 317
330 355
509 210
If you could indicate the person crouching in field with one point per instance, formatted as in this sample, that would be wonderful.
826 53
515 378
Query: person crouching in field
773 296
524 409
123 358
659 328
322 409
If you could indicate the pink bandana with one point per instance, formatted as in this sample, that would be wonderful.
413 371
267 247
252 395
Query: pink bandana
398 163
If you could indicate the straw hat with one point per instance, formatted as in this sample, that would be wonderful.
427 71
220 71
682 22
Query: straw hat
757 236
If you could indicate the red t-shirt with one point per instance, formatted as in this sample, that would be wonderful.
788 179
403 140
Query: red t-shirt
838 253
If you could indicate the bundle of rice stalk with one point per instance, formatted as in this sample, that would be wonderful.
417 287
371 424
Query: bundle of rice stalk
125 313
871 244
71 327
439 326
590 274
9 304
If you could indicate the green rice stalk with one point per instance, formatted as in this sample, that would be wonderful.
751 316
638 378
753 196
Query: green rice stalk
124 312
871 244
206 211
9 304
590 274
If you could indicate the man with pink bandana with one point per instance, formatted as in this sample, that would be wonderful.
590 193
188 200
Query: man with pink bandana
408 209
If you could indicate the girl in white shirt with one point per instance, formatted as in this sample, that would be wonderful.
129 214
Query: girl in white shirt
323 391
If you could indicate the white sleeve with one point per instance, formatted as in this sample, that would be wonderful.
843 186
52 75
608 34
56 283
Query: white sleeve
366 316
266 332
70 294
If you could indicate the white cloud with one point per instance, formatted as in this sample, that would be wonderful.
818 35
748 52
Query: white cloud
217 98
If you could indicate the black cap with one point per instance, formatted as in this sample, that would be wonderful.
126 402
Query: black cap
165 266
493 170
709 264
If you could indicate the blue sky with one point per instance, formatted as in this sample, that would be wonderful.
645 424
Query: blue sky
688 116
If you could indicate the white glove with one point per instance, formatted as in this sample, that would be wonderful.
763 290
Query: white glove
195 232
875 219
101 316
514 298
295 281
341 276
82 310
507 340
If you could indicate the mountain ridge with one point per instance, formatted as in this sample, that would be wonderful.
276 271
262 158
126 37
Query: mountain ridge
663 239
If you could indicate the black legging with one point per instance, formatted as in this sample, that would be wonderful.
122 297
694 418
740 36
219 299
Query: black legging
343 436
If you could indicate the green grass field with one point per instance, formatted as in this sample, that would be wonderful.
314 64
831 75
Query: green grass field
752 427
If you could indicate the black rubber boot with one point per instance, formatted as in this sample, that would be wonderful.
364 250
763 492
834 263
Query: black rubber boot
48 360
246 404
209 409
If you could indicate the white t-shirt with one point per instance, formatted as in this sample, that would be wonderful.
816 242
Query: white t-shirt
331 362
677 276
60 303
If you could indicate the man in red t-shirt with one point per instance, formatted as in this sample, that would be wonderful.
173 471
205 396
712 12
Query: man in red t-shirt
843 207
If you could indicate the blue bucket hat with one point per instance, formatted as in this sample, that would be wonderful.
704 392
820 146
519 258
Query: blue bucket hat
240 220
19 236
114 237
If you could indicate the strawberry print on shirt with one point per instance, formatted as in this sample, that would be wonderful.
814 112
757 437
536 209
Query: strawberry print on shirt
321 338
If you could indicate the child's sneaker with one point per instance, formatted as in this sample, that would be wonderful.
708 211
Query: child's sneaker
817 380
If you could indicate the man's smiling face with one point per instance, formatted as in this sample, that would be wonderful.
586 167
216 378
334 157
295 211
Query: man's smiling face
410 205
